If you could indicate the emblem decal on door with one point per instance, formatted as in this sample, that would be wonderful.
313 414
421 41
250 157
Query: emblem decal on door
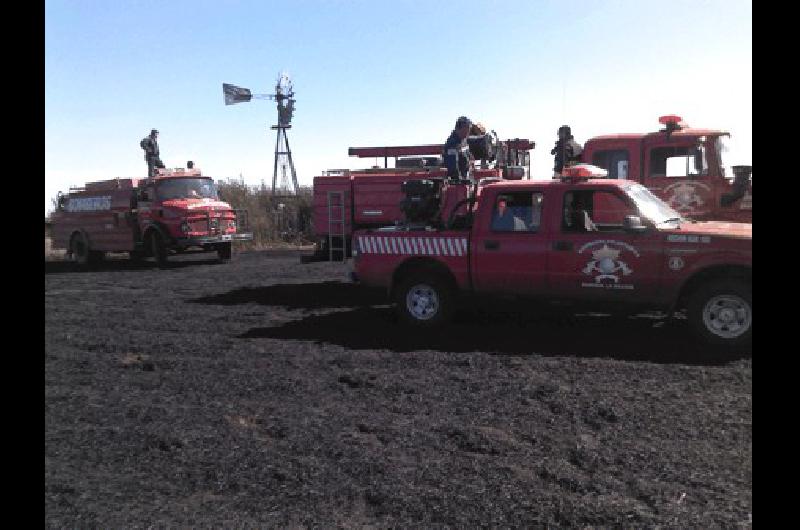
606 266
686 196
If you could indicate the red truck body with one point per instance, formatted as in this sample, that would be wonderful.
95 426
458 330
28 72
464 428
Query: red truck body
679 164
627 259
346 200
175 211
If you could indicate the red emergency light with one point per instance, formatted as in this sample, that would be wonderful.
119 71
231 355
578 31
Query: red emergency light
670 119
583 172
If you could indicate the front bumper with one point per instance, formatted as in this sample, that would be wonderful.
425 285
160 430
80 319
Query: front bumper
201 241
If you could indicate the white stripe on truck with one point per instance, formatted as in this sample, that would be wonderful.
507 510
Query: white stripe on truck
411 246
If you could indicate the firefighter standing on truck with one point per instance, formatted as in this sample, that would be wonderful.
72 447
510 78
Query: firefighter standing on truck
456 150
151 154
567 150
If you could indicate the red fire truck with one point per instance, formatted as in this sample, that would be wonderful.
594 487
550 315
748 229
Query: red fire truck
346 200
581 240
178 210
681 165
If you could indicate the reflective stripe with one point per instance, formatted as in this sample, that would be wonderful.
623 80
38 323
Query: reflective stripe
394 246
450 246
443 244
464 245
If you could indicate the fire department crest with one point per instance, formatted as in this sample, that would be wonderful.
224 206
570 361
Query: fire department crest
606 265
686 196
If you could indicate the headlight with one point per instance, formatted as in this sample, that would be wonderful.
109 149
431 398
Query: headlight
232 224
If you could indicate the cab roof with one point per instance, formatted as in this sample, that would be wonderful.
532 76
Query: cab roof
685 132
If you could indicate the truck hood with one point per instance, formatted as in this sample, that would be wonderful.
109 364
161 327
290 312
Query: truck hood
715 228
192 205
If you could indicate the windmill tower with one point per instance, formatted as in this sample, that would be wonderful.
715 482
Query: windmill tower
284 98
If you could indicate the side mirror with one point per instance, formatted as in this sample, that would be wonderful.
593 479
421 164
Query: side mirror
633 223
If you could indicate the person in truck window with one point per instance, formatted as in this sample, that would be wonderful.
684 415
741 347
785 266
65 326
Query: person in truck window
456 150
151 153
505 219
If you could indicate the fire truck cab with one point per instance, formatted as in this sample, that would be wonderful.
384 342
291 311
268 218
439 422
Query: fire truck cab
681 165
177 210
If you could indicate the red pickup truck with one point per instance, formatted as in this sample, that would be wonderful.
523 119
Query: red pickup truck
598 241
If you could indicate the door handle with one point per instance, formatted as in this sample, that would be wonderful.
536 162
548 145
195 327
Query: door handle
491 245
562 245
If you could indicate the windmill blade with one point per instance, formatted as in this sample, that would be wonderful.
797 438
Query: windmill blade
234 94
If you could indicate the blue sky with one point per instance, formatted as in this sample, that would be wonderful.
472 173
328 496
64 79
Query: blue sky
377 73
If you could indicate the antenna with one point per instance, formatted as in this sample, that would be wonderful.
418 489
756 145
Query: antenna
284 98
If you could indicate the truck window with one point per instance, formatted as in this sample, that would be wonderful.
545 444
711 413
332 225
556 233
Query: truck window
614 161
678 162
594 211
517 212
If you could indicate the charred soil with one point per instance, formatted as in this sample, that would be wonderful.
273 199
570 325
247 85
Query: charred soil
263 392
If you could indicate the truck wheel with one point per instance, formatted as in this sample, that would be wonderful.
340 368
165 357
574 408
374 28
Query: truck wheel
224 251
424 301
158 249
721 313
79 250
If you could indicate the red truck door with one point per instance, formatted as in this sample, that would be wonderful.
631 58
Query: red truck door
509 250
599 260
678 172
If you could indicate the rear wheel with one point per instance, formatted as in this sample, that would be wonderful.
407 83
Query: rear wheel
721 313
158 248
424 301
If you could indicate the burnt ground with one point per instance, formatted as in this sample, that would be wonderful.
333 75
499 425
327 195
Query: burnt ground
268 393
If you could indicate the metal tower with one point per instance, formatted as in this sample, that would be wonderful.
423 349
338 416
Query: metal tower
284 97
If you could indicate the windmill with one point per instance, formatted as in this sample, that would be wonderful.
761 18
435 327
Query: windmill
284 97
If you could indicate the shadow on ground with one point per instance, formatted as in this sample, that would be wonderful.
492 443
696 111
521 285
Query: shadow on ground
628 339
366 323
300 296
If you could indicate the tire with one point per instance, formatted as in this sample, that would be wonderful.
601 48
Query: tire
224 252
721 313
158 248
79 250
424 301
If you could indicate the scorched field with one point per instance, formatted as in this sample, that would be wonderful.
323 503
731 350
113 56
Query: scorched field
266 393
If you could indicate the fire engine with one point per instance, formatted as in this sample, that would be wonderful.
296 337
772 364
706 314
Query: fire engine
177 210
681 165
346 200
583 239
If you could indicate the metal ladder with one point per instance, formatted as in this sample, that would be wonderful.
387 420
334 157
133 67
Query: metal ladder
336 223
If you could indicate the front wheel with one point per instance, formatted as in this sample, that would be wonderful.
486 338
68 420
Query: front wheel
721 313
158 248
424 301
224 251
79 250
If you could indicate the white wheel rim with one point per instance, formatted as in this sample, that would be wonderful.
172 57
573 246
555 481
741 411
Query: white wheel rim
727 316
422 302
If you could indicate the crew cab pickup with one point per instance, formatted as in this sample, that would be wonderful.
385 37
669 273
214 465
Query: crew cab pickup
594 241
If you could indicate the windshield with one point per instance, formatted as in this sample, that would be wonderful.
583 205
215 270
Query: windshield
186 188
651 206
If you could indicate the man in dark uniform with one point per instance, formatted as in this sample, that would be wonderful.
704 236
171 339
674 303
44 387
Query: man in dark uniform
456 150
567 150
151 154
